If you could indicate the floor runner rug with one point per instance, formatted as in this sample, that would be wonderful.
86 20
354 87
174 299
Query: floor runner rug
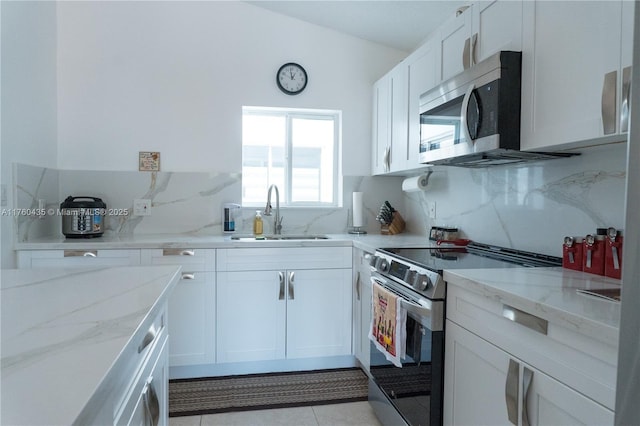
188 397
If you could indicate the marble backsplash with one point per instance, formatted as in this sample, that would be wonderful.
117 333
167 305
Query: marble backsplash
182 202
528 207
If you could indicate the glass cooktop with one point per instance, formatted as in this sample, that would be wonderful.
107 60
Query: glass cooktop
474 256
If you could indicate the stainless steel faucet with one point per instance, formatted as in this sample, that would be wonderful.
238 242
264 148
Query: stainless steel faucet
277 220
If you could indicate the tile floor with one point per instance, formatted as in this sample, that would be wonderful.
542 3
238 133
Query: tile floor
352 414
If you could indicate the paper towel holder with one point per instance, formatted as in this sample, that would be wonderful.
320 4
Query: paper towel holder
357 210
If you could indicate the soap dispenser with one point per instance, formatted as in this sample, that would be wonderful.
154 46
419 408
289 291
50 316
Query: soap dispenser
229 213
257 224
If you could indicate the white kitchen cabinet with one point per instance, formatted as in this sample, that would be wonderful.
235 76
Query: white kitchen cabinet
574 55
556 375
455 44
361 306
147 402
381 131
390 121
191 305
488 386
271 307
484 28
77 258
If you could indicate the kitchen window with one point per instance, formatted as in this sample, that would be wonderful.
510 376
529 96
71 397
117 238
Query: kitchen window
295 149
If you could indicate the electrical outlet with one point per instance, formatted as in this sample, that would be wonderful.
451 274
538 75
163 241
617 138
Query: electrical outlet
431 207
142 207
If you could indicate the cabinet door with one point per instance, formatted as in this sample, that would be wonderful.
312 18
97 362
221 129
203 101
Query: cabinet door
570 71
361 306
318 313
455 45
251 309
423 75
497 25
549 402
192 319
475 374
399 117
381 132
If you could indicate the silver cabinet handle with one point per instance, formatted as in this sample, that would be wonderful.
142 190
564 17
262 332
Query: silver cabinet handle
626 99
358 286
387 159
148 338
281 291
474 44
511 391
527 377
188 276
151 403
81 253
178 252
466 55
292 276
608 105
523 318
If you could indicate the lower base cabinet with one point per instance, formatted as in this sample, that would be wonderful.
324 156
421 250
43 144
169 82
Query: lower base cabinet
485 385
283 314
148 402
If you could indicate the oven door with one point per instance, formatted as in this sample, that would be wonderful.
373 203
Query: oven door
411 394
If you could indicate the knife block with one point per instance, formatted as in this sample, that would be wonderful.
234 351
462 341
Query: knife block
395 227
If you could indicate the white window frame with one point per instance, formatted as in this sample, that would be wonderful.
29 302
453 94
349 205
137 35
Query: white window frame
289 114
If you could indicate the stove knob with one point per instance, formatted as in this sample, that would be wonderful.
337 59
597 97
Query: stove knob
373 260
383 265
422 282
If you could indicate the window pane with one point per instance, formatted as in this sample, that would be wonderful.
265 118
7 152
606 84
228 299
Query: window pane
263 155
312 160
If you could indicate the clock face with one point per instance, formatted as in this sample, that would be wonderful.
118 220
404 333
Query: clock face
291 78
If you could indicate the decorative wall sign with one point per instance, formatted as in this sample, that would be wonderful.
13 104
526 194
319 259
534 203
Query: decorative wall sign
149 161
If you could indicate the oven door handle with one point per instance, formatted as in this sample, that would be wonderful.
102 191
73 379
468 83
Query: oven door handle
430 310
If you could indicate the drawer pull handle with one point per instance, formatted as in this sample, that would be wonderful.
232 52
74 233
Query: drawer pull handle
178 252
511 391
148 338
188 276
523 318
81 253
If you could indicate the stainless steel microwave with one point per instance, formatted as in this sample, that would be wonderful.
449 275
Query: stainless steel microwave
473 119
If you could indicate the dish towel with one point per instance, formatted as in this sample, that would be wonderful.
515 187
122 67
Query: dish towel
388 330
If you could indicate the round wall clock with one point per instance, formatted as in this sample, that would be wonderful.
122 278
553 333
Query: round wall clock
291 78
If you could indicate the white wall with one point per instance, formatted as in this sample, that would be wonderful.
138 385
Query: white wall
173 76
28 97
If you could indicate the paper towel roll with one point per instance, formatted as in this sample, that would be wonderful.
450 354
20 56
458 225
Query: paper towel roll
416 183
357 209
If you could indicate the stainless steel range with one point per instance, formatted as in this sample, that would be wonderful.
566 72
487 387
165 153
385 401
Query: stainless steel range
413 393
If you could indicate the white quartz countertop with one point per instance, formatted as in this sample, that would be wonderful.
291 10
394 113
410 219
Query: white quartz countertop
549 293
140 241
63 329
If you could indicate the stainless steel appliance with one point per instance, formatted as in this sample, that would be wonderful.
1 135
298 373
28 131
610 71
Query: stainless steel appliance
473 119
82 217
413 394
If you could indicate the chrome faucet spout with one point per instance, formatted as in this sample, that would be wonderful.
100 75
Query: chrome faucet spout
277 220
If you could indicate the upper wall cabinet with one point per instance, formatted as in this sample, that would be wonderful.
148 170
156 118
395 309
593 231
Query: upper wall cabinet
483 29
390 122
575 72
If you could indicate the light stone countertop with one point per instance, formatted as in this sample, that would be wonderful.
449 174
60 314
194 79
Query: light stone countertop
64 329
367 242
549 293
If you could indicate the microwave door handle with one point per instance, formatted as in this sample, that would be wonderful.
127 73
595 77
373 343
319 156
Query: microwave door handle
464 115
